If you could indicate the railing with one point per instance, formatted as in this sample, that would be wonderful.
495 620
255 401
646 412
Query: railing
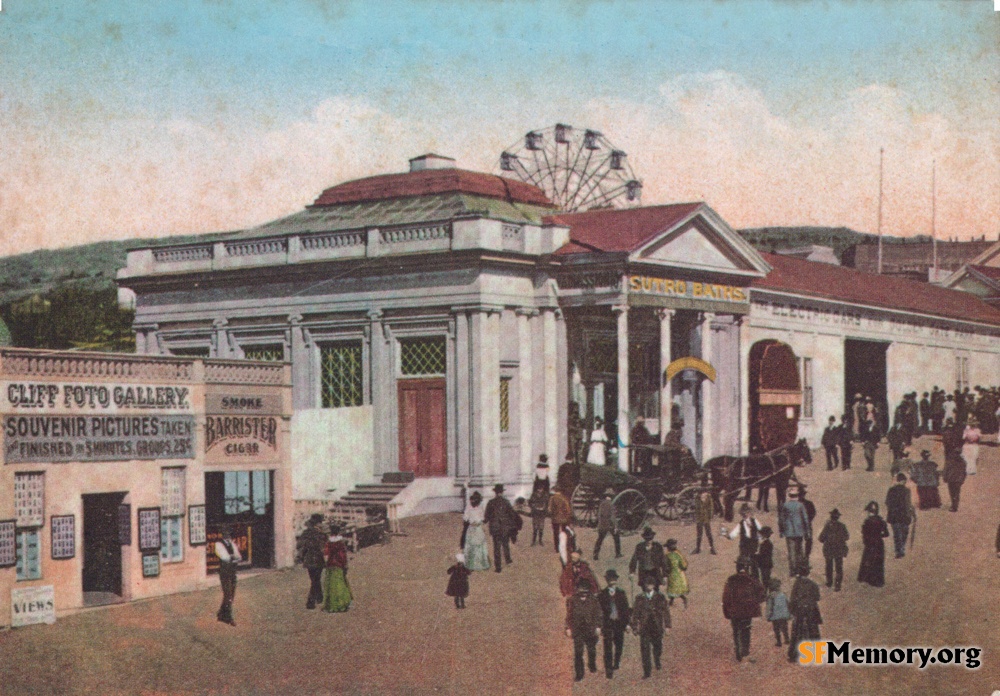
188 253
228 372
256 247
415 234
37 364
334 240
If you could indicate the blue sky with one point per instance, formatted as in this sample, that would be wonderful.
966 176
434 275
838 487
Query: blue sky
165 101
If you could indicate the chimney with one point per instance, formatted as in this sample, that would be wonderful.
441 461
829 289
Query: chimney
431 161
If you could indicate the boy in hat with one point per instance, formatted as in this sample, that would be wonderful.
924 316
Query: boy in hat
677 583
538 503
583 625
650 619
777 611
561 513
311 546
648 559
502 519
614 604
834 539
703 511
764 559
606 525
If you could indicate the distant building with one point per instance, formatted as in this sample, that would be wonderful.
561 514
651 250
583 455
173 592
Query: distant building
913 260
981 276
812 252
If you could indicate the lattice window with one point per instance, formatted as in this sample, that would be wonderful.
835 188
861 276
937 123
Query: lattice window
192 352
602 357
273 352
422 357
505 404
172 491
341 380
29 499
171 532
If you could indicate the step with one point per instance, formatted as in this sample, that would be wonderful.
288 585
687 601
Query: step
398 477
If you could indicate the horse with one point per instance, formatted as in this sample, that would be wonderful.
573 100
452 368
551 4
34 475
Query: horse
776 468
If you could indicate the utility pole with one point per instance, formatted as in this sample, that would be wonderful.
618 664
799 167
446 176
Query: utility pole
881 152
934 278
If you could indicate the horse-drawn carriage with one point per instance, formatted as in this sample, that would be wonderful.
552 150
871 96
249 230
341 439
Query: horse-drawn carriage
667 488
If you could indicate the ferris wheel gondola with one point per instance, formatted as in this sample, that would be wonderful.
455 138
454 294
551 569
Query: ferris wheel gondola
578 169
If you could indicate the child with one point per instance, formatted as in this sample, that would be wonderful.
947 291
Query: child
764 558
458 583
677 584
777 611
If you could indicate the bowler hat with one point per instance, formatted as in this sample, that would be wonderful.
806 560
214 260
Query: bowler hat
543 457
835 514
498 488
648 533
612 574
872 507
744 508
316 518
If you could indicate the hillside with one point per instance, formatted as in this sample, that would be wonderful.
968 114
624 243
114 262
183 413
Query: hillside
770 239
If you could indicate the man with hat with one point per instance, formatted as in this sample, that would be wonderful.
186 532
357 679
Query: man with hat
834 539
312 542
502 519
606 525
538 503
648 559
573 572
830 439
614 604
741 600
899 513
748 532
810 507
925 477
703 511
650 619
803 604
229 557
583 625
793 524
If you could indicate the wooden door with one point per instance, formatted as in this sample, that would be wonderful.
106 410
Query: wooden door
775 396
102 553
422 427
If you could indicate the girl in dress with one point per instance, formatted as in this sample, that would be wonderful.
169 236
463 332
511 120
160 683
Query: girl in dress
598 444
474 535
338 592
970 448
458 583
677 582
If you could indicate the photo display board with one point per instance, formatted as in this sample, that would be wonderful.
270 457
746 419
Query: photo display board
197 533
63 537
8 543
149 529
151 566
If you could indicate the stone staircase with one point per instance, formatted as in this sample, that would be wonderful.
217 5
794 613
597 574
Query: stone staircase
373 495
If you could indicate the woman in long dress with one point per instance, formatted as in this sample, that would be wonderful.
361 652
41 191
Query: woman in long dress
677 582
873 531
474 535
598 444
970 448
338 592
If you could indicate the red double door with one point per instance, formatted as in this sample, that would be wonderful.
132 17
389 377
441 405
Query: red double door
422 427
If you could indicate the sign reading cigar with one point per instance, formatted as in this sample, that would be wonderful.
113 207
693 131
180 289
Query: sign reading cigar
228 437
54 396
105 438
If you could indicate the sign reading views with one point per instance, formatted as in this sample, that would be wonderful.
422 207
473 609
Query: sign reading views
33 605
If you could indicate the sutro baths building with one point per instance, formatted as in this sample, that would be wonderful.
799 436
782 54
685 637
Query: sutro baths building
453 324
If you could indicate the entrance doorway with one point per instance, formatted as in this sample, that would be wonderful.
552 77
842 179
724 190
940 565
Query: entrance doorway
243 501
102 551
422 426
775 396
865 374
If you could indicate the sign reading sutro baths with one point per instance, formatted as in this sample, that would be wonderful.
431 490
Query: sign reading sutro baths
55 396
688 289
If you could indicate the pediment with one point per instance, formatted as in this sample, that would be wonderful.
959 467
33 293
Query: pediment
702 243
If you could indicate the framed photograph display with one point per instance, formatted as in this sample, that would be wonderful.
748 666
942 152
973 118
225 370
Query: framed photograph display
125 524
151 566
8 543
149 530
197 534
63 537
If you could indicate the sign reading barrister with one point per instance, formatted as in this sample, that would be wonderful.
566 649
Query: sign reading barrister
241 427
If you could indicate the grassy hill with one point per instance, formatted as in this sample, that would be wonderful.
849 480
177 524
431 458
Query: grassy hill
769 239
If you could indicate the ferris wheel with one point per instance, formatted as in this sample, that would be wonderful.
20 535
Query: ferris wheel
578 169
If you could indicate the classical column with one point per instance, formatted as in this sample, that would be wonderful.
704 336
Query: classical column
550 382
562 376
623 421
744 386
525 390
221 339
666 390
463 395
707 390
485 360
301 367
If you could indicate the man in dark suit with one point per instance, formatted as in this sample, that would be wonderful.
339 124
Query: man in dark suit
845 444
650 619
648 559
583 625
830 440
614 604
501 518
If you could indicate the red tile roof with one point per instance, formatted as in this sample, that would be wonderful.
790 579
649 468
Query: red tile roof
619 230
849 285
430 182
991 272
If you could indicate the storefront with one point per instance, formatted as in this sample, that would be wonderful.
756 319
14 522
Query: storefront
107 466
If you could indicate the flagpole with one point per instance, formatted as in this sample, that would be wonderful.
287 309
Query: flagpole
881 152
934 217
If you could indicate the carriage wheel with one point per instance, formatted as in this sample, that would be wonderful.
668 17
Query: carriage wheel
667 507
686 500
630 509
585 501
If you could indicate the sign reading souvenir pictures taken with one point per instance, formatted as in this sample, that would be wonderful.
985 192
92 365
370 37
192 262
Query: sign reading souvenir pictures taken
149 529
78 397
33 605
63 537
151 566
8 543
125 524
197 533
96 438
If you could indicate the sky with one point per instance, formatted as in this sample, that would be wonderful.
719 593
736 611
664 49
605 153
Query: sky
147 119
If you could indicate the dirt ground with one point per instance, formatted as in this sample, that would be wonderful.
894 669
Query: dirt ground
403 636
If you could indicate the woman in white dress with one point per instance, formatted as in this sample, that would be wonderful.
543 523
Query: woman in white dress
474 535
598 444
970 450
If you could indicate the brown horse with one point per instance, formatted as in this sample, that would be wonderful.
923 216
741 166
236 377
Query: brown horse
776 468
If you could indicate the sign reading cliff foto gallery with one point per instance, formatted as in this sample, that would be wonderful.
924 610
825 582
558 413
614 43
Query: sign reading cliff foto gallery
79 397
241 427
